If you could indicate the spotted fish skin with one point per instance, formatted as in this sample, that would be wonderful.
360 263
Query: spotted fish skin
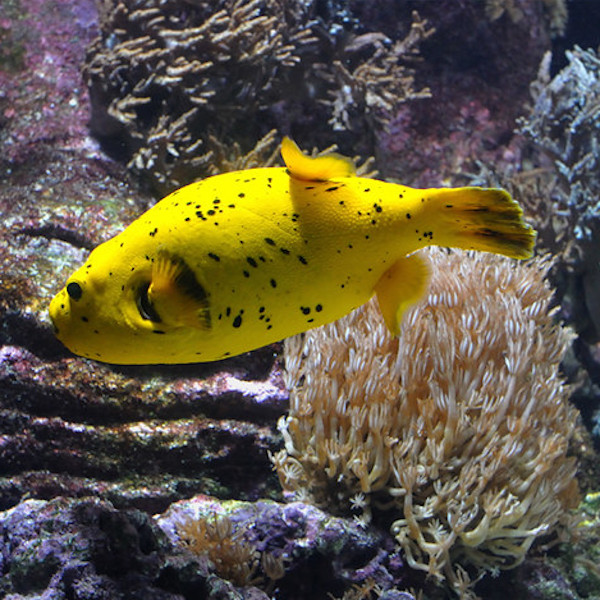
243 259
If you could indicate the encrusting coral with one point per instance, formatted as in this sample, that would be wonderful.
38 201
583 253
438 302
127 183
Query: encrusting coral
459 427
163 78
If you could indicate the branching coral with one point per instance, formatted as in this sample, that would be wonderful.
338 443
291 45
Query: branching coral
164 77
565 123
460 426
561 191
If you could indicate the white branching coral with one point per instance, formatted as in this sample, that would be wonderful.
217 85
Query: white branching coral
460 426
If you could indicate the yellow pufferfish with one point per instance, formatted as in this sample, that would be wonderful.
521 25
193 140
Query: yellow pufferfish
243 259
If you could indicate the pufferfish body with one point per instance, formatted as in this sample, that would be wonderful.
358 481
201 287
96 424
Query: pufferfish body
246 258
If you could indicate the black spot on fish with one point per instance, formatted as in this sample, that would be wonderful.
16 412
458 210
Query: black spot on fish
270 241
273 283
373 222
241 195
408 215
237 322
214 256
246 274
449 205
216 201
284 251
228 311
309 187
251 261
332 188
310 320
159 331
302 259
84 319
231 206
152 233
341 203
319 307
200 215
261 309
187 219
400 195
377 208
210 212
367 190
305 310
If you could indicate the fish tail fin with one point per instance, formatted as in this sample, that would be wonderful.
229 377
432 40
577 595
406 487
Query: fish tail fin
486 219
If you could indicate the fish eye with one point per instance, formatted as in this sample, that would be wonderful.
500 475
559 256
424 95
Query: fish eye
74 290
144 305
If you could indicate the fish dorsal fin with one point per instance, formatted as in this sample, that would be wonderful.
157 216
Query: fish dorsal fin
318 168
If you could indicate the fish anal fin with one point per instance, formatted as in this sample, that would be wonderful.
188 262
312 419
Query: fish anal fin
318 168
403 284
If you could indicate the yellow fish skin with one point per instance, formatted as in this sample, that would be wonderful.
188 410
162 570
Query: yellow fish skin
243 259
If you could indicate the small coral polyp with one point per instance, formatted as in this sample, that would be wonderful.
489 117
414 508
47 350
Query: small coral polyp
460 426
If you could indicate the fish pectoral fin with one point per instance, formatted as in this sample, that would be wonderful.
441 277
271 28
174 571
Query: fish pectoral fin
318 168
403 284
176 294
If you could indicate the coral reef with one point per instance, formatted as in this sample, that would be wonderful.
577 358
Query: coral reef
479 71
142 438
304 552
563 127
460 427
162 81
